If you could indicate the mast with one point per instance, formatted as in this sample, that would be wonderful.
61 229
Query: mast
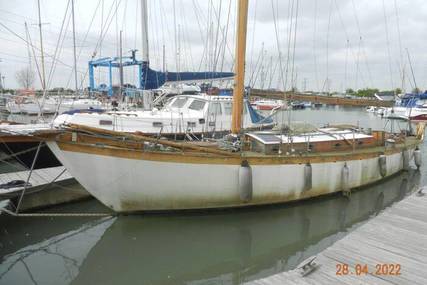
28 47
74 46
164 58
144 31
41 48
121 65
239 78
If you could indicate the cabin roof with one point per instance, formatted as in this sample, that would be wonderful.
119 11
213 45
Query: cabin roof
324 134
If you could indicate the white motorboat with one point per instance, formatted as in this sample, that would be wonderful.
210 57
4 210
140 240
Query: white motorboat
371 109
183 114
268 105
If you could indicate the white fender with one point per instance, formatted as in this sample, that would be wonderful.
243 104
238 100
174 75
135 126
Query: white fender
345 179
417 158
308 177
382 164
245 181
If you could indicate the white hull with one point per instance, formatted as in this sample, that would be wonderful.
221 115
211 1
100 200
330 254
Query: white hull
213 116
51 106
127 184
26 108
405 113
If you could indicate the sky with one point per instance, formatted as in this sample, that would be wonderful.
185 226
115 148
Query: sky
322 45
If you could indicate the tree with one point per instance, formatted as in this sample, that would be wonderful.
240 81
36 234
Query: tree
349 91
25 77
397 91
367 92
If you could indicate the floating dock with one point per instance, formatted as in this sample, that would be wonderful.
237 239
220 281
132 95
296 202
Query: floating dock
47 187
389 249
322 99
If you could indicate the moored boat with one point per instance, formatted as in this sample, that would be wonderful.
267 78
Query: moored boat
134 172
268 105
137 174
182 115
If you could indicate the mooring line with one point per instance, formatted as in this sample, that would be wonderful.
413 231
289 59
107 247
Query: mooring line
56 214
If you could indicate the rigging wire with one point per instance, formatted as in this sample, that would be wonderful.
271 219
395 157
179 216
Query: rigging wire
280 62
84 41
345 66
388 45
294 47
361 50
58 49
316 75
401 66
251 66
29 44
290 16
225 38
326 85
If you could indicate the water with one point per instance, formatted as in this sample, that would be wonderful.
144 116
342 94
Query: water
220 247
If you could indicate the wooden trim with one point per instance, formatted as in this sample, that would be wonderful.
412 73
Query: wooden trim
18 138
200 158
141 138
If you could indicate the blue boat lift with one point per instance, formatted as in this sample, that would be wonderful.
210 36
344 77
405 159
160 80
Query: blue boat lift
148 78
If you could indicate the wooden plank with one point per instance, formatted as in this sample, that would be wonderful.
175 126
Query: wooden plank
396 236
39 177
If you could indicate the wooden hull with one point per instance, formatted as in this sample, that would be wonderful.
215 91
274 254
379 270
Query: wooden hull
128 180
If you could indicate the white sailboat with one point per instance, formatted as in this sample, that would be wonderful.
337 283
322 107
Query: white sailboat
131 172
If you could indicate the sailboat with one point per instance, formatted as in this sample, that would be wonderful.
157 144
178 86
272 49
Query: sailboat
134 172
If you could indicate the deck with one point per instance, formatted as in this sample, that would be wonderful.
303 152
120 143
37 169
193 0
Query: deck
39 178
397 238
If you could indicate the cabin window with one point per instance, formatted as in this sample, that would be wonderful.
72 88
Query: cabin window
359 142
197 105
215 109
337 145
227 108
179 102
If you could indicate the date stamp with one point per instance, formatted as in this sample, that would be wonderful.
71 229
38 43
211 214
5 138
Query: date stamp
343 269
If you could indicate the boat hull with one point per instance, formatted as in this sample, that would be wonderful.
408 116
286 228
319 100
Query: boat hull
129 180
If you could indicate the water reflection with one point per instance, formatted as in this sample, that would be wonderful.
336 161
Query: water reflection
205 248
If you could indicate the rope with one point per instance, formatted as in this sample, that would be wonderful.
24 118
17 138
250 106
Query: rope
55 214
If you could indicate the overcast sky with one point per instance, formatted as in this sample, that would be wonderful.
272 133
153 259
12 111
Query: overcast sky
339 43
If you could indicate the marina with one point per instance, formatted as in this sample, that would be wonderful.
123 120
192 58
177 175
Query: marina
211 142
